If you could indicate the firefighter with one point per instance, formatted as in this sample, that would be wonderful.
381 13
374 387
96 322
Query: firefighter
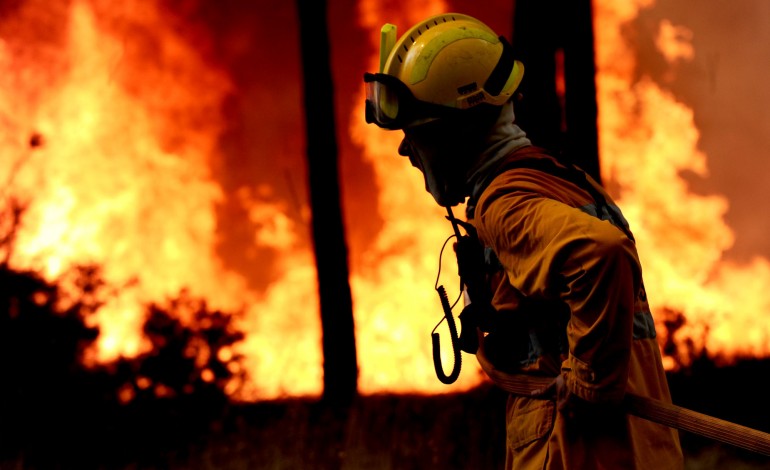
562 269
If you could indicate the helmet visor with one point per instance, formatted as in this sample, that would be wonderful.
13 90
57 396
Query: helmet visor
391 105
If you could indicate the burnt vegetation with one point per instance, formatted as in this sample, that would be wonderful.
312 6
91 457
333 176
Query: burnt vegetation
57 412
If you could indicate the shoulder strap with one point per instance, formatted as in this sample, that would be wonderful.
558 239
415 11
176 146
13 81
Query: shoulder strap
563 171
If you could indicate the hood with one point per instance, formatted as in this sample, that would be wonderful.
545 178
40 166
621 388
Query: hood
503 139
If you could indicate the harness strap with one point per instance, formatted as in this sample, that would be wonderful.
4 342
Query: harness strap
564 171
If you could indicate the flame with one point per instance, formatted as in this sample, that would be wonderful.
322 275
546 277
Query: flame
647 140
396 304
673 41
102 167
110 148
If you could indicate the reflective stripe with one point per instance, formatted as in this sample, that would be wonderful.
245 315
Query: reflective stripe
644 325
610 213
491 261
535 350
644 328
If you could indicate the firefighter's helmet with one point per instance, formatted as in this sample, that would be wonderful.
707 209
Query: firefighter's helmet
440 67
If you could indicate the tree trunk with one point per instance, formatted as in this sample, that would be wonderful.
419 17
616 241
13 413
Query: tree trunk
339 348
554 40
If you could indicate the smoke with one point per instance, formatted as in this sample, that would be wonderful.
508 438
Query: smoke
723 84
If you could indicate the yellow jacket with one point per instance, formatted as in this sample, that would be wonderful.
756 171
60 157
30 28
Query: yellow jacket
571 297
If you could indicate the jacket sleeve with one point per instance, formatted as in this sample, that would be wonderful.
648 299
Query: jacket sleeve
552 250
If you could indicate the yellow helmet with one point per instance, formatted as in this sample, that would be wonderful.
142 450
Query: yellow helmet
445 64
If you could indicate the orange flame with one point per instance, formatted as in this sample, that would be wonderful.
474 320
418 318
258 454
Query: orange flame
101 169
647 139
118 173
122 180
396 304
112 149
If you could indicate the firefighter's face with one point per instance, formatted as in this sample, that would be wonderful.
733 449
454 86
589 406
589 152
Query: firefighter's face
439 163
446 149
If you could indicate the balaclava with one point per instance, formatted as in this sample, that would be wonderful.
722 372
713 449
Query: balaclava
455 154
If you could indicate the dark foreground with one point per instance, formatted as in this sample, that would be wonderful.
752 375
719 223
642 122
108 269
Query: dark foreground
459 431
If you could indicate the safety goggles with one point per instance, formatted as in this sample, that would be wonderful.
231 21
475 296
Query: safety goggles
391 105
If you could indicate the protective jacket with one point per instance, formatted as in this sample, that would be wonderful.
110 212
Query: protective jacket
570 300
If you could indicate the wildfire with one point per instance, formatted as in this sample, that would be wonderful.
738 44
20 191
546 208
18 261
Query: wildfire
647 138
110 149
110 124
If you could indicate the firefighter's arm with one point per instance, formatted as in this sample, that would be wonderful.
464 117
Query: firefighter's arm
599 279
550 249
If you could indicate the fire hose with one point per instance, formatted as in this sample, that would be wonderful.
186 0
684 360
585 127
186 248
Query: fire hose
647 408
